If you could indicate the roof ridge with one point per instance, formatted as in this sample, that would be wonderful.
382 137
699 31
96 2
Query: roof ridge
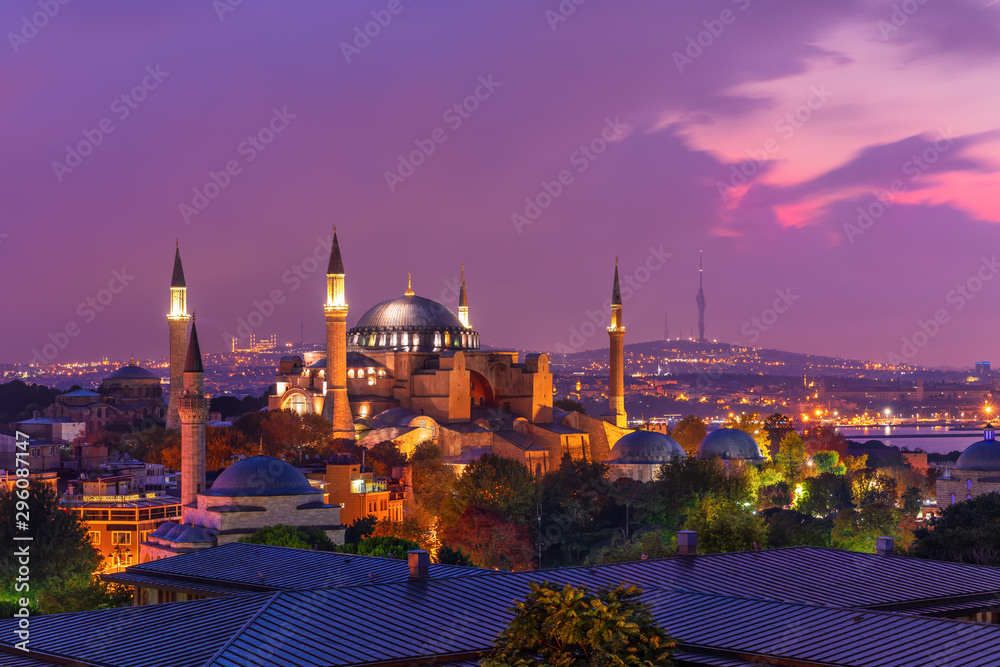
243 629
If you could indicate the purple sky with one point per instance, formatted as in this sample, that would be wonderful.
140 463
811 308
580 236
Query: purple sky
834 99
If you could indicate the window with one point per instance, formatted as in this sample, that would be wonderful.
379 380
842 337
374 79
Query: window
350 373
953 499
121 538
969 497
95 537
968 485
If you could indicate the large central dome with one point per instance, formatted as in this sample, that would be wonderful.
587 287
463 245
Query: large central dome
413 323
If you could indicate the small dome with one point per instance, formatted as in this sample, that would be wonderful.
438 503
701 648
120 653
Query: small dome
261 476
729 443
132 372
981 455
646 447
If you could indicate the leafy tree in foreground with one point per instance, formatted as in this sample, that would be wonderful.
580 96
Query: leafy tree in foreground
360 528
577 627
491 540
967 532
62 558
725 526
448 555
387 547
494 484
298 537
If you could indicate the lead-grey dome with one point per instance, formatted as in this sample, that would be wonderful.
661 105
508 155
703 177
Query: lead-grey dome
981 455
261 476
645 447
729 443
132 372
393 324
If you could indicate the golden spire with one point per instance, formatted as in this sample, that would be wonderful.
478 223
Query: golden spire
409 285
131 362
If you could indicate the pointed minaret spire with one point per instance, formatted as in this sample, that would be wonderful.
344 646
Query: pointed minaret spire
616 361
409 285
463 302
193 363
177 321
177 280
336 266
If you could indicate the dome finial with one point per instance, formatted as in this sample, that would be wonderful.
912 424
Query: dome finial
131 361
409 285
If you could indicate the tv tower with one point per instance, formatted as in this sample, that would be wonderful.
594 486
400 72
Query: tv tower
700 299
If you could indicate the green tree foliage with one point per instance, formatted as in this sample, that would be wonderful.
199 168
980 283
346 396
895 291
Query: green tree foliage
726 526
411 528
448 555
858 529
825 437
569 405
791 458
62 559
576 508
966 532
824 494
788 528
284 433
494 484
433 479
386 547
828 461
689 432
655 543
870 487
577 627
776 495
680 484
360 528
298 537
18 400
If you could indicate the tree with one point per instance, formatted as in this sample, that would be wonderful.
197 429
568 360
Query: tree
656 543
448 555
383 457
298 537
791 458
410 528
569 405
966 532
825 437
576 504
495 484
63 560
824 494
386 547
681 484
433 479
491 540
725 526
871 487
577 627
360 528
858 529
689 432
788 528
828 461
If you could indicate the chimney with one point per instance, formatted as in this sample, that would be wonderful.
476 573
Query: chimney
35 414
687 542
420 563
884 546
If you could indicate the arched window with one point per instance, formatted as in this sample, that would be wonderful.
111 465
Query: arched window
406 339
968 485
953 499
364 411
422 423
298 404
350 372
969 497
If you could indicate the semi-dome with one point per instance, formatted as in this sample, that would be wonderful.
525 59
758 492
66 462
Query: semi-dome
261 476
729 443
411 322
981 455
645 447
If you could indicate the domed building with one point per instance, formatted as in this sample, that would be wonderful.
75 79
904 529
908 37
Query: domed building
131 394
730 444
976 472
640 454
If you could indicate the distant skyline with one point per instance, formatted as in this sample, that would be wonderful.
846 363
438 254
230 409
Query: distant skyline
836 162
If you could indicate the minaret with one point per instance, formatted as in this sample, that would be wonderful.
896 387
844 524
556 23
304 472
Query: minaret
701 302
337 407
178 322
616 332
463 302
192 406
